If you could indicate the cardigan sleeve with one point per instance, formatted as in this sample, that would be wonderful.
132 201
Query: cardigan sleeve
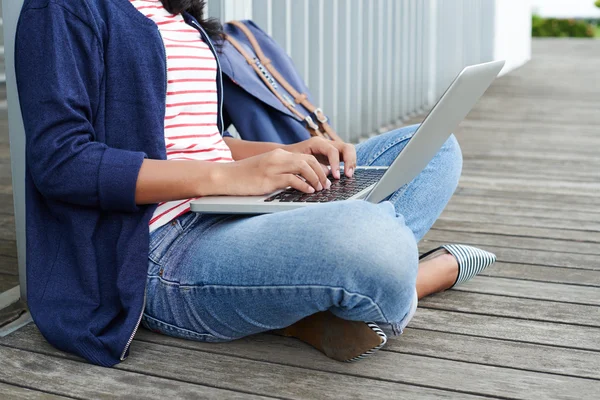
59 67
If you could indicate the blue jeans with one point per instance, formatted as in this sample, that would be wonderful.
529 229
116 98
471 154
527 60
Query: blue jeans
217 278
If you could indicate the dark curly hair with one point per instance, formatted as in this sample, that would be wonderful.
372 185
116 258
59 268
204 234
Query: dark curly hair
212 26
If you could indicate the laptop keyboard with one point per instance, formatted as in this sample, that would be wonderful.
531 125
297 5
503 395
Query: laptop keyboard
341 189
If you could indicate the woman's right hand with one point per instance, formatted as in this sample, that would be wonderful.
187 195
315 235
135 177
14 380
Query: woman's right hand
272 171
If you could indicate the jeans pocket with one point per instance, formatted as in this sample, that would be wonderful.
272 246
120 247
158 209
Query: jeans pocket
158 326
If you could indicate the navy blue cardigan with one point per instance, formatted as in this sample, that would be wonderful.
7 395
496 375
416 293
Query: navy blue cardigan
91 76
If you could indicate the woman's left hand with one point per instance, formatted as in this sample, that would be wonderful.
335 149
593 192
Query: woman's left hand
328 152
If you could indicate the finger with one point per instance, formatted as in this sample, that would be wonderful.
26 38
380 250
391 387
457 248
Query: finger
304 169
325 169
349 155
326 148
333 155
316 166
297 183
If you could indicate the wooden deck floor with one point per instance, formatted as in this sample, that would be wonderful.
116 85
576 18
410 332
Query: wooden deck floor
528 328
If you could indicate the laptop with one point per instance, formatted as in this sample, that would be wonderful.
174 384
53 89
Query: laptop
375 184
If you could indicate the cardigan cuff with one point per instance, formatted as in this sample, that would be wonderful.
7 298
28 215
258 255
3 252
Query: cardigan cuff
117 179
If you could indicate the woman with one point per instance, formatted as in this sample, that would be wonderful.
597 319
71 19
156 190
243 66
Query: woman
121 104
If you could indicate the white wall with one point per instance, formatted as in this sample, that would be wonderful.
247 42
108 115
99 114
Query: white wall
513 33
566 8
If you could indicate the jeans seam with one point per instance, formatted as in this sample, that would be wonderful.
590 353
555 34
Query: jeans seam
390 145
191 287
155 241
185 330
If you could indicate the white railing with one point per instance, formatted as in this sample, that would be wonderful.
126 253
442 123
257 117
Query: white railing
372 63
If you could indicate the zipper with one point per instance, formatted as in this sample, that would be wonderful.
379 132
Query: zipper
219 71
137 326
135 329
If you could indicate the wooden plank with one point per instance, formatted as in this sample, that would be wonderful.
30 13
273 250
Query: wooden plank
473 142
514 307
540 273
537 128
501 353
564 177
8 282
527 155
196 363
8 265
499 105
474 226
526 116
7 227
520 330
558 118
537 186
516 242
570 201
5 189
6 204
73 378
534 290
4 155
5 171
8 248
525 207
512 214
525 173
525 256
481 158
19 393
517 221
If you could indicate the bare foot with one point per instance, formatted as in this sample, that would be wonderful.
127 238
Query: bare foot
436 275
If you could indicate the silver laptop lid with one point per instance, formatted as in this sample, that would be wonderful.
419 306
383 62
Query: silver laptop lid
442 121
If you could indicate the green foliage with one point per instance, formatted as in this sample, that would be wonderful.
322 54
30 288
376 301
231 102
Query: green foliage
552 27
598 3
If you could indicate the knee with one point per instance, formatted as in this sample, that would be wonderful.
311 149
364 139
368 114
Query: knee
450 161
381 256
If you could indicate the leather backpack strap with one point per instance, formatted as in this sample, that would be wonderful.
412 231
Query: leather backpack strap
312 127
299 98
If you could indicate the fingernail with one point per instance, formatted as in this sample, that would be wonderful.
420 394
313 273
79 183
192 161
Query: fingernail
320 187
311 189
337 173
328 184
350 171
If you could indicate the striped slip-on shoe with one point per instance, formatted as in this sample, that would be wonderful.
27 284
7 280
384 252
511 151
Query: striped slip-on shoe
471 260
337 338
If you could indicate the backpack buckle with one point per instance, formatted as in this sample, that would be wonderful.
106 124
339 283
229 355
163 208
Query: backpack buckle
311 123
321 117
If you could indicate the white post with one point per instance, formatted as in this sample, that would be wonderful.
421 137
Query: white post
513 33
11 10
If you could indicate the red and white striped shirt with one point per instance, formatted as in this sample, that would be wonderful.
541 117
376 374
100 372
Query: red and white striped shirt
191 131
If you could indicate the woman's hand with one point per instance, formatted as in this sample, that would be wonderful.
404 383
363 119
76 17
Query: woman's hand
271 171
328 152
